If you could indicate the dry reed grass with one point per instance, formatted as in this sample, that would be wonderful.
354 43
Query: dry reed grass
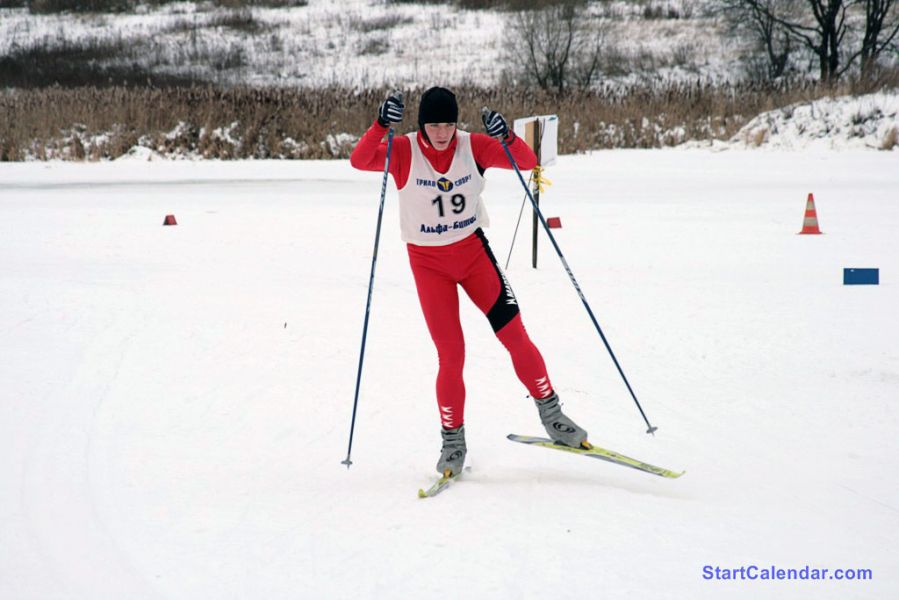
104 123
891 139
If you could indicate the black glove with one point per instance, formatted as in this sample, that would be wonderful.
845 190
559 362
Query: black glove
495 124
391 110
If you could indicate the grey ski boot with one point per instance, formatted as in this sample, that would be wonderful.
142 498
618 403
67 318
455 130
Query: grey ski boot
560 428
452 455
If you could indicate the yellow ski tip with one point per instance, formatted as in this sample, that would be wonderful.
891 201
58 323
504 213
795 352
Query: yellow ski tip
422 494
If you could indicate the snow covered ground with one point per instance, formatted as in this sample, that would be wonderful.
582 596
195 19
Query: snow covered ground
176 400
870 121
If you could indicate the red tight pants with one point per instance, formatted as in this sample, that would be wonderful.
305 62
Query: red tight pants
470 263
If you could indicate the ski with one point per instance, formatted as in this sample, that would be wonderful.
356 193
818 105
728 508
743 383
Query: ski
440 485
597 452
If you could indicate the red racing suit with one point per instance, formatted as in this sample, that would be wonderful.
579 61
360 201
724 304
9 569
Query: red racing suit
468 262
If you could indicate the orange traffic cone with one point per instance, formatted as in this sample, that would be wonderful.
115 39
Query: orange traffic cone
810 223
170 220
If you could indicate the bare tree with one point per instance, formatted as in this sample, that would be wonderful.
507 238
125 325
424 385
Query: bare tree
821 28
772 37
555 46
826 37
881 27
586 61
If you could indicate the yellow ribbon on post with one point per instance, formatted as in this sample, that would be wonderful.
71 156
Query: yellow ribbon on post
540 182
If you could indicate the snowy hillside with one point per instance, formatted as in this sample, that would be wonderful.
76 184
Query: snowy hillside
360 43
176 400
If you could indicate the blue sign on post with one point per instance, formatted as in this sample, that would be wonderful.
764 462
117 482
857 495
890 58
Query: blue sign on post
861 276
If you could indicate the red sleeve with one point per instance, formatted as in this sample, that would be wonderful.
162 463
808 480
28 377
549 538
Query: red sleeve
370 154
488 152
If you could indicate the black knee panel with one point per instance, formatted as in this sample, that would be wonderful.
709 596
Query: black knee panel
506 306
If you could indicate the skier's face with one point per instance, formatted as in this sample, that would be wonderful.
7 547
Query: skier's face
440 134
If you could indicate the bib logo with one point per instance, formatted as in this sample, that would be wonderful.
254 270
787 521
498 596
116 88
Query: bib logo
443 183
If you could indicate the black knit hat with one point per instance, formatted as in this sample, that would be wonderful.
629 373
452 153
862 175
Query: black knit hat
438 105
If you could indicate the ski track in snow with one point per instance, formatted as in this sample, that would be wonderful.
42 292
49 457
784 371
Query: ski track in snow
165 435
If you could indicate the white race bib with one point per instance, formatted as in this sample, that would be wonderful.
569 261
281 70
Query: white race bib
437 209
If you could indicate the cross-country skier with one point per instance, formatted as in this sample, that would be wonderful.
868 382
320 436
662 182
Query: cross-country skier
439 172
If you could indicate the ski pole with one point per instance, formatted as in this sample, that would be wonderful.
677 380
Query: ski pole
577 287
371 282
515 235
